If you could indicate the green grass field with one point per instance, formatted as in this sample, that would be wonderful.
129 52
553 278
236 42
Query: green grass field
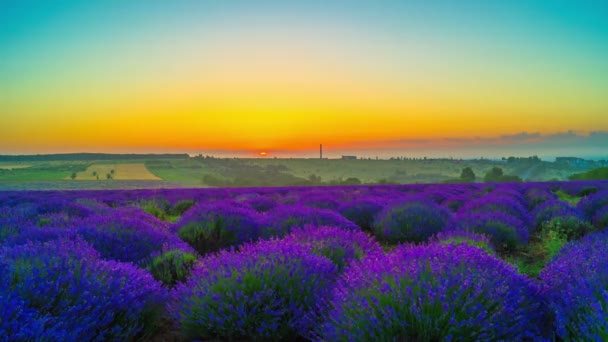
204 172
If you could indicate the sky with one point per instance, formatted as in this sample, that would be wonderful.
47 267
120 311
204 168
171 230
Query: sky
437 78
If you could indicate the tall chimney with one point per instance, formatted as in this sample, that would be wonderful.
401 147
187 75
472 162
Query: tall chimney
321 151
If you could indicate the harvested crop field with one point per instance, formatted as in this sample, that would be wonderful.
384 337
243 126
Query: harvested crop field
117 172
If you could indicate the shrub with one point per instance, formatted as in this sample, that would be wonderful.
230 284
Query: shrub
267 291
282 219
261 204
591 204
434 293
457 237
578 188
121 236
600 220
455 202
410 221
11 223
575 283
172 267
321 201
554 208
570 227
66 292
181 207
210 227
504 204
362 212
537 196
156 209
505 231
338 245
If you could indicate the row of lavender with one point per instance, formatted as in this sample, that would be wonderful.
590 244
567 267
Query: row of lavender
307 262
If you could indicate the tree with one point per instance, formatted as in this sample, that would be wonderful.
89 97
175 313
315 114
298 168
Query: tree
95 174
494 175
109 176
467 175
314 179
73 176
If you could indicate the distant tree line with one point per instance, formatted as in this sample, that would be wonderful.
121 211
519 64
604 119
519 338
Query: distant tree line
494 175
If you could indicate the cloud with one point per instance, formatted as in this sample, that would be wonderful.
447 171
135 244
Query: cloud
519 144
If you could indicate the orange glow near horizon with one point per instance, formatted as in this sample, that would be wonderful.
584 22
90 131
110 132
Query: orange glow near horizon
287 78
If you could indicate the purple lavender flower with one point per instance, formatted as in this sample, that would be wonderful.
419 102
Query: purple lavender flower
554 208
212 226
575 282
362 211
324 200
413 220
127 235
338 245
505 204
505 231
538 195
600 219
591 204
266 291
261 204
434 293
457 237
280 220
70 294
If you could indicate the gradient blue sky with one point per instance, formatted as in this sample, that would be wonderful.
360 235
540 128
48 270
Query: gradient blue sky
283 76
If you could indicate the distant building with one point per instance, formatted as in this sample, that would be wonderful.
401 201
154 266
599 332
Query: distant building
349 157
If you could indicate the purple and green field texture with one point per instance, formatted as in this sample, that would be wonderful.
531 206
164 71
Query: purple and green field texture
475 262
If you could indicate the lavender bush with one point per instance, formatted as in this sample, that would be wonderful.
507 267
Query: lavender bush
338 245
434 293
457 237
267 291
282 219
410 221
123 236
576 283
210 227
362 211
66 292
505 231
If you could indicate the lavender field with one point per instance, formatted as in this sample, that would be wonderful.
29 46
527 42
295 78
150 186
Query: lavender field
451 262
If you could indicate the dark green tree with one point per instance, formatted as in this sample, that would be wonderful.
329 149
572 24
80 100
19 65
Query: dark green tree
73 176
494 175
467 175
